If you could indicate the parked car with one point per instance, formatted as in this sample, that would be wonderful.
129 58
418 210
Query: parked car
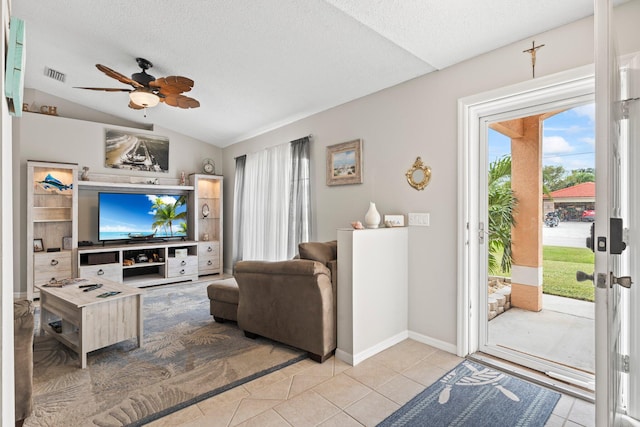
588 215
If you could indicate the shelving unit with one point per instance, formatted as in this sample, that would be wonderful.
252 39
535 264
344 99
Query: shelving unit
52 215
206 222
140 265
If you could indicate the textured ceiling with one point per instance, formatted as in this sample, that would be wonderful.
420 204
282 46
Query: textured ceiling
258 64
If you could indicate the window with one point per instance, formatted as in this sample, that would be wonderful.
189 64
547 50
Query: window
272 212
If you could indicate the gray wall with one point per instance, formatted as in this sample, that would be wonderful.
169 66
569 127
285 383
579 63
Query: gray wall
49 138
419 118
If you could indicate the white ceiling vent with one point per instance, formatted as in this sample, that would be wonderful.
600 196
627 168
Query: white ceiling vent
56 75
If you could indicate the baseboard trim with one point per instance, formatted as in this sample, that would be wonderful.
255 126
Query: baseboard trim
353 360
344 356
441 345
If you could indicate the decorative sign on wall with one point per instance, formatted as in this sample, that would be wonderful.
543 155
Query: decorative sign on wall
50 110
124 150
14 73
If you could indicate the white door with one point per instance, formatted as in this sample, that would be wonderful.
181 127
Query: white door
612 325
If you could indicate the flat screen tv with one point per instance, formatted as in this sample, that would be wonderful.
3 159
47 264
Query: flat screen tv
133 216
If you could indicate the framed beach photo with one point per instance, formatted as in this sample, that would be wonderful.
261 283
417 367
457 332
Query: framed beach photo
344 163
38 246
136 152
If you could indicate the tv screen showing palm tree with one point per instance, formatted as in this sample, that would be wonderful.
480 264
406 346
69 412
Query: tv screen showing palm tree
125 216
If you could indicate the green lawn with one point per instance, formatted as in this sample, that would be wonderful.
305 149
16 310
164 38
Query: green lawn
559 272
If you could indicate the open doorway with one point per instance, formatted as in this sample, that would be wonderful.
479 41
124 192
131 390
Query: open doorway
541 197
538 97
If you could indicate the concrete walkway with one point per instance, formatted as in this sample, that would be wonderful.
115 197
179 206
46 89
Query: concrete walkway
562 332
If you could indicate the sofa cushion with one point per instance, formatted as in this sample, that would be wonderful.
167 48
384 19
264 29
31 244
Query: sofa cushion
224 291
319 251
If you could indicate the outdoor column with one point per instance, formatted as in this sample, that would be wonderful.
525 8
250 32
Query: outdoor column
526 235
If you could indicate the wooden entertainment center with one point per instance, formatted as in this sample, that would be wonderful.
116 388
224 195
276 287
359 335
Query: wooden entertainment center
52 226
139 265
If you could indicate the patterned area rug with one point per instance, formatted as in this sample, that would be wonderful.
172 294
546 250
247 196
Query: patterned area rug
186 357
477 396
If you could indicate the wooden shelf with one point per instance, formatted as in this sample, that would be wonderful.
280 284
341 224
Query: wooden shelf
142 265
52 215
207 229
140 274
97 185
70 339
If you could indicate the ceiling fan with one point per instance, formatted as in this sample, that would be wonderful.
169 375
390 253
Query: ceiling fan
148 91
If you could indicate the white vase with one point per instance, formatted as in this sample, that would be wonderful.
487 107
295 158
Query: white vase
372 217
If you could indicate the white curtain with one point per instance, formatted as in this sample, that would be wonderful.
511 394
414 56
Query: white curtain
272 205
267 177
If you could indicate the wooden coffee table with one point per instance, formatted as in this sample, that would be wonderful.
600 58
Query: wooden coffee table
84 322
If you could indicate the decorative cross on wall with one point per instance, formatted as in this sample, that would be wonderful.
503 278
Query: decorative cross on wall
532 51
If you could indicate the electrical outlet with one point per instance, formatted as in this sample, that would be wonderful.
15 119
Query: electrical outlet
419 219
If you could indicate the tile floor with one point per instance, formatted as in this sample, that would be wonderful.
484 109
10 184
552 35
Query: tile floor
337 394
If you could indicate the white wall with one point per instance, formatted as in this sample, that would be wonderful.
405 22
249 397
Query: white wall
419 118
36 99
60 139
7 401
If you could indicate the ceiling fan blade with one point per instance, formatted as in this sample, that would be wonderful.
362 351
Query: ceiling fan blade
116 75
172 84
180 101
105 89
135 106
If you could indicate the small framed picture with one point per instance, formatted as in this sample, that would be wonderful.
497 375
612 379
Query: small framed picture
66 243
38 246
344 163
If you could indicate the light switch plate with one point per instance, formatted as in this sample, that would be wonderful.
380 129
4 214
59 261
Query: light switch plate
419 219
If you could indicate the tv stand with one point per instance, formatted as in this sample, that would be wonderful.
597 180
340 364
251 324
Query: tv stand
143 241
141 264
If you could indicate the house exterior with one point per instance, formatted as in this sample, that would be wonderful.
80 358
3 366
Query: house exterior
571 202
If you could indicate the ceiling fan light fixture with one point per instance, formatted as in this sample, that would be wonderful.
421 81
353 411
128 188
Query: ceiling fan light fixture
144 98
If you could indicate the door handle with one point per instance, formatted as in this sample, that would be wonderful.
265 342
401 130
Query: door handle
581 276
624 281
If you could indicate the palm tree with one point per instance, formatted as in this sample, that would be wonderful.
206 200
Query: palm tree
182 227
502 204
166 213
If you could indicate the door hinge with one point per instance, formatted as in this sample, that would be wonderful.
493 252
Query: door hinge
624 363
481 232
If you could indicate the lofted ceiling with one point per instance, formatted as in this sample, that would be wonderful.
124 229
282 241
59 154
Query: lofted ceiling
259 64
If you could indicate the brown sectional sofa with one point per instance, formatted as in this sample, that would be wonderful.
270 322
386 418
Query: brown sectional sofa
294 301
23 319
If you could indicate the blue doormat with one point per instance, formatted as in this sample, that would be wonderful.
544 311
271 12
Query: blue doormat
474 395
